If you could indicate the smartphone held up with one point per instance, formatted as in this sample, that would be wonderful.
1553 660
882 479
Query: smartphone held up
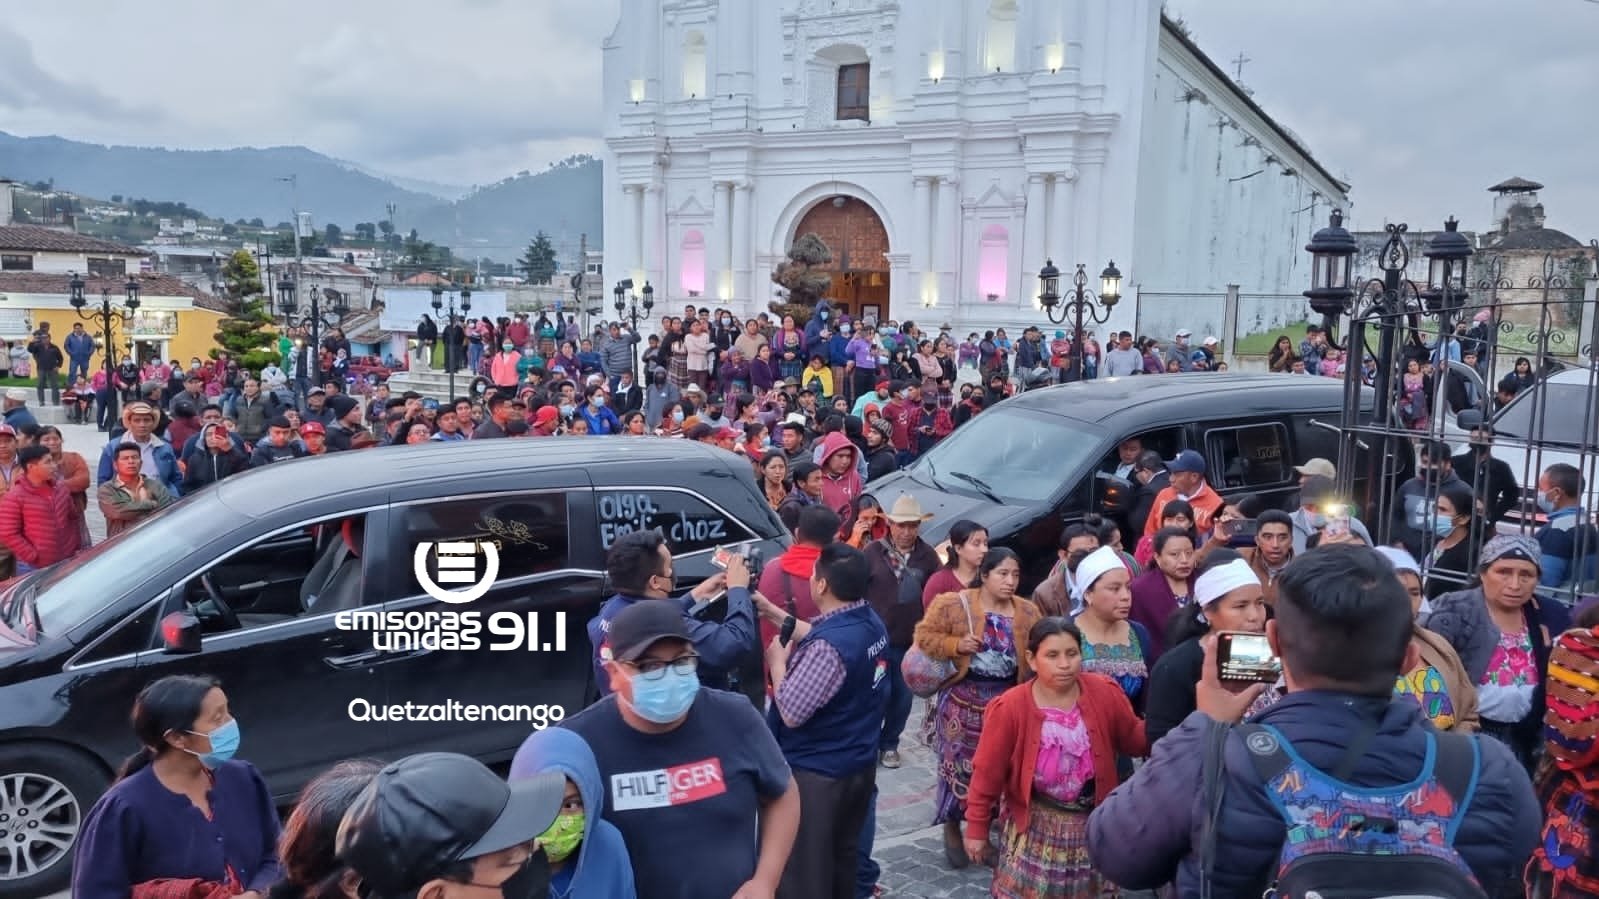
1246 658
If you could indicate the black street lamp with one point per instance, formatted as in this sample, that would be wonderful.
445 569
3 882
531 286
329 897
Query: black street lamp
1393 304
452 353
1081 305
106 316
315 319
629 309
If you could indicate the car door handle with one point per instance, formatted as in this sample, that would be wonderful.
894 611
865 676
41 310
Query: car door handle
358 660
386 657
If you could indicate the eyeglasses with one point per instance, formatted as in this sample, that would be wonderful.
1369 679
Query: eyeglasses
655 669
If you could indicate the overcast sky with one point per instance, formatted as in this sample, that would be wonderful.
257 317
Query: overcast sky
1421 104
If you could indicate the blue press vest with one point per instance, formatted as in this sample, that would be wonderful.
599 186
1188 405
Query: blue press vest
841 738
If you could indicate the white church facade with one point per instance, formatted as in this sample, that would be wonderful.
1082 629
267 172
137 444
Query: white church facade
943 150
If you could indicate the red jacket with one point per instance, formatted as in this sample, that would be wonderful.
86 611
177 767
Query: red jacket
903 417
1007 752
39 524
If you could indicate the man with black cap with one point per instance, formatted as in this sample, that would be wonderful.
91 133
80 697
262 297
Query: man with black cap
443 826
346 421
697 784
277 445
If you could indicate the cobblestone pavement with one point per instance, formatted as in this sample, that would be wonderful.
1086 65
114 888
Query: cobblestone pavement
909 847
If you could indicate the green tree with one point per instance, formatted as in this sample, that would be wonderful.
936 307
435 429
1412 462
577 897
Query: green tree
538 263
243 334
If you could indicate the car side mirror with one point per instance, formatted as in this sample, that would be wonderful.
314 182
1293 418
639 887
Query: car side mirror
1113 495
1469 419
180 633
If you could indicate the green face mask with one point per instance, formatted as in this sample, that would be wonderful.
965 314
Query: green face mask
563 837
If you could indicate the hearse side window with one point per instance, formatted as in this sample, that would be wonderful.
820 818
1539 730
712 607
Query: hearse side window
309 570
529 531
1250 456
689 523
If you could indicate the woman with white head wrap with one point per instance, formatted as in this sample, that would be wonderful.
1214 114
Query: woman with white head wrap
1228 596
1112 645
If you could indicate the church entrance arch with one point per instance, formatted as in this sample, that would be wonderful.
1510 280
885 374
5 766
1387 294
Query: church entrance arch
858 240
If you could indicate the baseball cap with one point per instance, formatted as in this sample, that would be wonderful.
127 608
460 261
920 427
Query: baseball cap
546 415
1184 332
1187 461
17 394
315 391
643 624
312 427
7 431
280 421
727 433
1318 467
1211 341
426 812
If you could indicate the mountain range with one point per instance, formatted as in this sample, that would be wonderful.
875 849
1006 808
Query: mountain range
250 182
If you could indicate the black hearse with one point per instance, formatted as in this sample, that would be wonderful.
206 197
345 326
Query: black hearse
282 567
1043 459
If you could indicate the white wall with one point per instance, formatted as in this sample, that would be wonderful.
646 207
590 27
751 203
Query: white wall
1077 149
62 263
1205 219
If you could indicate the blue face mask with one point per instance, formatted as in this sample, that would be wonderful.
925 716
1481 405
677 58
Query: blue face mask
1441 526
224 743
822 315
677 416
1546 505
667 699
567 409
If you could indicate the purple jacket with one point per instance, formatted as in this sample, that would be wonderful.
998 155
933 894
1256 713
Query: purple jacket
1161 809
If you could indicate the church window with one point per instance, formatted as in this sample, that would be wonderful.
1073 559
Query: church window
993 263
694 65
999 45
854 91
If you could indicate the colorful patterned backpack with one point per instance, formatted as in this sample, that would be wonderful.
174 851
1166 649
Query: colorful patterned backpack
1348 842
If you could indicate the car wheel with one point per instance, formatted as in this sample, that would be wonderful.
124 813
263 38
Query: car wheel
45 795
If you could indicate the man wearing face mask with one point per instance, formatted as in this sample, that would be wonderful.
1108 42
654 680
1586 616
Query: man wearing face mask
443 826
639 564
1315 495
1417 496
697 784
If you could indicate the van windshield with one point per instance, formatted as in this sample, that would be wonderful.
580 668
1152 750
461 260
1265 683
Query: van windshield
69 593
1019 458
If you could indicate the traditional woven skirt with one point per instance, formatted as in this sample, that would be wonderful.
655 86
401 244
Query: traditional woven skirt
957 723
1050 857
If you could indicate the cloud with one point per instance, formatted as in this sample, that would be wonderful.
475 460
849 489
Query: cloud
25 86
1425 104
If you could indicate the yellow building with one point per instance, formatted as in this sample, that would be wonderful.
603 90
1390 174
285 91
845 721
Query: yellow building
173 320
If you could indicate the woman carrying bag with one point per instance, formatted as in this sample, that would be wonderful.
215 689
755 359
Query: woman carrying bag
984 631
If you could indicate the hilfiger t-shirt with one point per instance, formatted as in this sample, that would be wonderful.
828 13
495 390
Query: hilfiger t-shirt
688 801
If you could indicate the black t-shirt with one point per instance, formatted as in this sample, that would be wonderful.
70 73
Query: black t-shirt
688 801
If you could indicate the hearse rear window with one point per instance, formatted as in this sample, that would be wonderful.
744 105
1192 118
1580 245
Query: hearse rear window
689 523
1252 456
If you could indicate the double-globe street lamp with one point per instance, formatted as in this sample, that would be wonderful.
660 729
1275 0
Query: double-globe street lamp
315 319
1080 305
1392 304
628 308
452 353
105 316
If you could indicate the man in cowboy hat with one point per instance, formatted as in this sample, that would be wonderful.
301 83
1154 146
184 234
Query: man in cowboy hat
900 564
160 460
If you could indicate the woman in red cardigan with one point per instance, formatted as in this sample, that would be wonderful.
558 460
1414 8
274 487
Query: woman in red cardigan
1048 750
